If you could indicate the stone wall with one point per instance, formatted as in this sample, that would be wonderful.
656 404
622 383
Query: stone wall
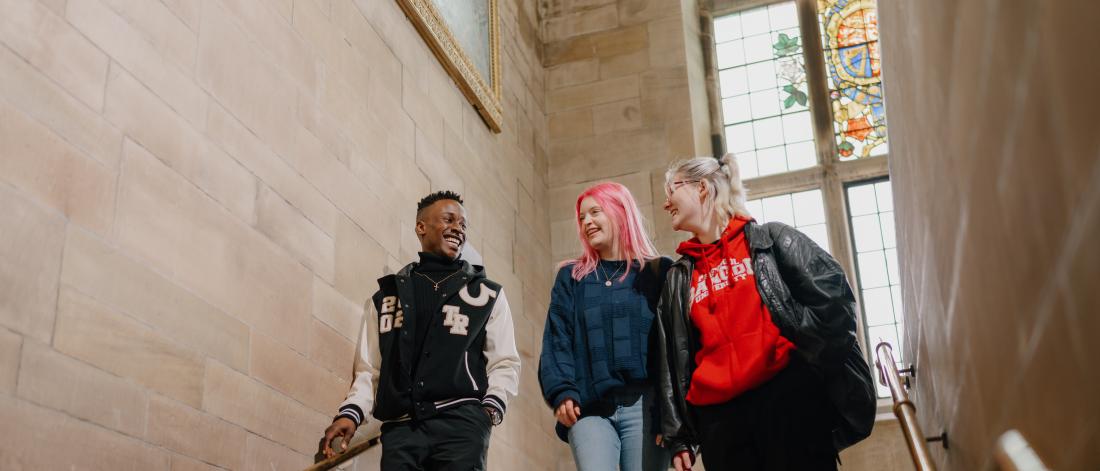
624 84
995 162
195 199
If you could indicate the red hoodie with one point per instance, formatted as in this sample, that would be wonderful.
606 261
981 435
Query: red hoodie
741 347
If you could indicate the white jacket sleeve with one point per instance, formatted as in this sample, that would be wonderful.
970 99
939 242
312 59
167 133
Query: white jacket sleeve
360 399
502 359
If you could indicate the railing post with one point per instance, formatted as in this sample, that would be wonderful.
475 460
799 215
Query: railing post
904 409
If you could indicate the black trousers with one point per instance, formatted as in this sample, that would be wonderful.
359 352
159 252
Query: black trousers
453 440
784 424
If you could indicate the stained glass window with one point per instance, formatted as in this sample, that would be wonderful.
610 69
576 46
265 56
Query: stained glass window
871 213
804 211
762 81
853 64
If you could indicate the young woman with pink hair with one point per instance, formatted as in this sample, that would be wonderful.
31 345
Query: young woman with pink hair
594 369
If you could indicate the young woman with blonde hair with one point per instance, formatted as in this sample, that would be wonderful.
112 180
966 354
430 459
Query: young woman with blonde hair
759 367
595 368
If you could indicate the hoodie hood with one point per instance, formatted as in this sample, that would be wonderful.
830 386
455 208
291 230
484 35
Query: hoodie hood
700 251
710 255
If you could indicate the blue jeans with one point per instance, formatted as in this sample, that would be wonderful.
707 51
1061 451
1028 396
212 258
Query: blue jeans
625 440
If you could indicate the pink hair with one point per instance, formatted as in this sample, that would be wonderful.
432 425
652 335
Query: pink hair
622 211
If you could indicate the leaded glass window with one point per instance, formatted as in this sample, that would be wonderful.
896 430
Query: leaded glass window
871 215
804 210
792 90
762 80
853 65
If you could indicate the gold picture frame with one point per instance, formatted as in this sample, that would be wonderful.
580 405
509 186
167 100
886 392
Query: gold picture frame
482 92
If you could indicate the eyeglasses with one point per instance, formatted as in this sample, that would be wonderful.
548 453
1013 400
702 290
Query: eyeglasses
671 187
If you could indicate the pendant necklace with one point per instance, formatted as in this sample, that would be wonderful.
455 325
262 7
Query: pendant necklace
435 284
607 279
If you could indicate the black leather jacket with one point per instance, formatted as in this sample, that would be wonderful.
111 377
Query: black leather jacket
810 301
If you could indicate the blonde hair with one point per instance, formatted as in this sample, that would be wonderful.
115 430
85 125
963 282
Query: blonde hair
725 192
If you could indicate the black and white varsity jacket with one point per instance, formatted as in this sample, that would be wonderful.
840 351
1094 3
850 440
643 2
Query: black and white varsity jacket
469 355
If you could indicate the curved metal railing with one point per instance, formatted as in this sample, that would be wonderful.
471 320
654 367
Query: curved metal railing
904 409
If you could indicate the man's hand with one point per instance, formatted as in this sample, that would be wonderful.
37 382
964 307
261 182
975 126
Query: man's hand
682 461
494 415
568 412
341 427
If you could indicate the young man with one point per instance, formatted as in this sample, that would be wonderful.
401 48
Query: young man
437 360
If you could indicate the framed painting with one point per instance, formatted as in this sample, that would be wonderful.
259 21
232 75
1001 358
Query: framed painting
465 36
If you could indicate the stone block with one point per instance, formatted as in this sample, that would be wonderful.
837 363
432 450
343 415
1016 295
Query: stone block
26 427
275 35
601 18
30 264
295 375
336 311
562 201
624 64
408 181
188 11
604 91
265 455
418 101
439 170
196 434
666 39
359 262
41 164
564 241
183 463
287 227
159 53
310 158
11 344
36 95
385 67
161 27
257 157
386 107
340 113
242 78
641 11
262 410
572 73
599 157
603 44
102 272
194 241
56 6
565 7
618 116
42 37
91 332
331 350
570 124
54 380
162 132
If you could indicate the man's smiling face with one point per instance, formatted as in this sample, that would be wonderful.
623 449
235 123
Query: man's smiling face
441 228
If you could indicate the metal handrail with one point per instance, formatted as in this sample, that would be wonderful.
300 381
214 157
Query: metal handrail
904 408
352 451
1014 453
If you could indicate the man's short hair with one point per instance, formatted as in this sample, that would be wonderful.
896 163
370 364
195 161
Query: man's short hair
439 195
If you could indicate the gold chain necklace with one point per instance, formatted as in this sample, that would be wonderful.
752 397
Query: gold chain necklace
435 284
